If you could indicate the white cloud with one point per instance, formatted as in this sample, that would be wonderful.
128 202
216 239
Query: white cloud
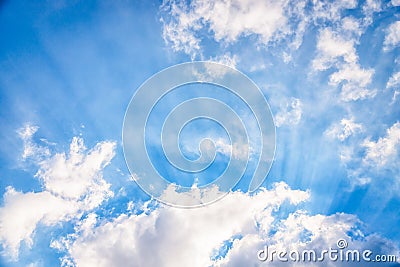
331 11
263 18
385 151
179 33
194 197
193 237
336 51
226 21
395 97
177 237
290 113
226 59
395 2
372 5
238 150
354 82
351 25
188 24
72 184
369 8
31 149
332 48
392 38
74 175
301 231
365 158
344 129
352 73
394 80
23 211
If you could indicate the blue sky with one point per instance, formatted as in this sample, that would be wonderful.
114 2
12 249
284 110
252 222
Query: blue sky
330 72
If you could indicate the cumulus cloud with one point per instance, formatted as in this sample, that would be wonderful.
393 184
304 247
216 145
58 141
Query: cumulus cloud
178 237
229 232
73 183
384 151
392 38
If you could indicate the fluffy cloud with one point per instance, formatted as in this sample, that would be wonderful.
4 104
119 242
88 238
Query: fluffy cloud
227 21
301 231
77 174
333 50
23 211
187 25
354 82
365 158
229 232
385 151
72 184
178 237
392 38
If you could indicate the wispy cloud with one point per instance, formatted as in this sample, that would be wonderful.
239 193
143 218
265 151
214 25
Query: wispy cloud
344 129
289 113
